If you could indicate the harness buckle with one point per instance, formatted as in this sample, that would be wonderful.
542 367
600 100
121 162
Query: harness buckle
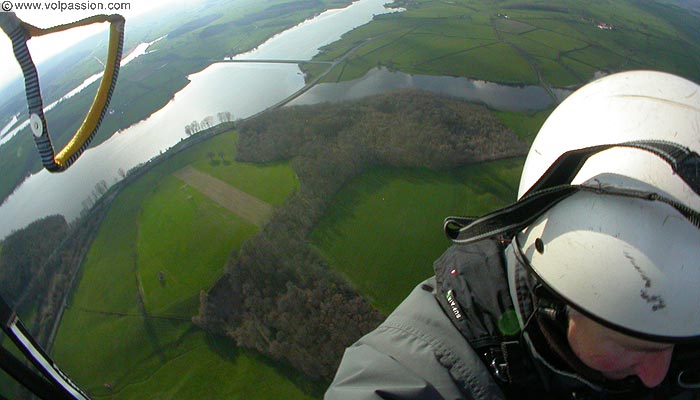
689 379
500 370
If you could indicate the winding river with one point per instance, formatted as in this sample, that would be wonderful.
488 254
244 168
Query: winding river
244 89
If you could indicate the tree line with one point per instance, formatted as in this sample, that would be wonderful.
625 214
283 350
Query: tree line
279 296
23 268
39 263
208 122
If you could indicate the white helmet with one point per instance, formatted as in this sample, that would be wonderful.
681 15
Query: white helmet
608 216
625 249
628 106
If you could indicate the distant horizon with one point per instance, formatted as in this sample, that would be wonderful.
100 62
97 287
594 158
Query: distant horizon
19 78
42 49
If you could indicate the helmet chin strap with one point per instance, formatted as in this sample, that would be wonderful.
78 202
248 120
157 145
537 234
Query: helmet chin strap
555 185
545 319
554 337
542 314
687 371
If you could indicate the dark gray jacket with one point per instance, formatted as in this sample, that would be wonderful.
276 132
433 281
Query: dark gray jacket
418 352
426 348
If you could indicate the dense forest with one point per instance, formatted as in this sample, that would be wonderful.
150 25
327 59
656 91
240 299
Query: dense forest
278 295
23 268
39 263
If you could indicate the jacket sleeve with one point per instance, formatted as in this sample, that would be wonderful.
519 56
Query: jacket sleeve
415 354
367 374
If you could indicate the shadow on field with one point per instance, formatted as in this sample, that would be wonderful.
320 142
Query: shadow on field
227 350
354 192
372 181
152 335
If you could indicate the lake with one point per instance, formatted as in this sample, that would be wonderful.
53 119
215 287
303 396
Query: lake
381 80
243 89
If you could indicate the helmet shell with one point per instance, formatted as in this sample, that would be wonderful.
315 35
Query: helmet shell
629 263
633 105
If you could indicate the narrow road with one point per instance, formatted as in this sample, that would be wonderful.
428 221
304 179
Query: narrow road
525 55
313 83
237 201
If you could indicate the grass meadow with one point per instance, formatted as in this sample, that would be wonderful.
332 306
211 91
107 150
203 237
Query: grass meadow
127 332
517 43
524 124
384 230
149 83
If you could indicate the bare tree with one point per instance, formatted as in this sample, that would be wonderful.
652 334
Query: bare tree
207 122
101 188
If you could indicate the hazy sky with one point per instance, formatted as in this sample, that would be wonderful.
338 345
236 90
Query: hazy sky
42 48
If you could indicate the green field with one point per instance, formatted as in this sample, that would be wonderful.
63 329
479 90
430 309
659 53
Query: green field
384 230
558 44
213 369
148 83
183 242
127 332
524 124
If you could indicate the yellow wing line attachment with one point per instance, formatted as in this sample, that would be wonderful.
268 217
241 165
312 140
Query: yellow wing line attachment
20 32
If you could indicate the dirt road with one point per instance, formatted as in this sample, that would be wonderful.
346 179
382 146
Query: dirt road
240 203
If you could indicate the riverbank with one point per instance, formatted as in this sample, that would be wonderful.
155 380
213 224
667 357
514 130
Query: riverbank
256 88
518 43
153 81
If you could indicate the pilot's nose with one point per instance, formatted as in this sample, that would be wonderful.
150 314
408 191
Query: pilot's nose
653 367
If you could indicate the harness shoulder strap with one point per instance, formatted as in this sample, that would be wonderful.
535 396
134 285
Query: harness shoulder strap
473 291
555 185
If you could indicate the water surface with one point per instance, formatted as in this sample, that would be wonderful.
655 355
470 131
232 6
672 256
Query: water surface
242 89
381 80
